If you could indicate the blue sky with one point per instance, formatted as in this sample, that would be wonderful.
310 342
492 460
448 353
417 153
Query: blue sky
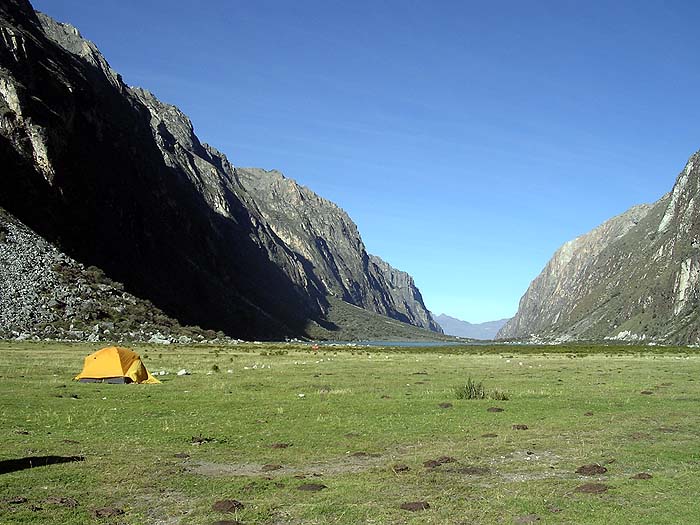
468 140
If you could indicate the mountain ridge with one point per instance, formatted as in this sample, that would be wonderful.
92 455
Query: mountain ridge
634 278
459 328
119 180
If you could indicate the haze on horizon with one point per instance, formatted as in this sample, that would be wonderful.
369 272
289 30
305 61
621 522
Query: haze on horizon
467 141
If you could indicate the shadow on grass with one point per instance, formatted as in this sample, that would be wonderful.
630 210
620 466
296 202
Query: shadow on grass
13 465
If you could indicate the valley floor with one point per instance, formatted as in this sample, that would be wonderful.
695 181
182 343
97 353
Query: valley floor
345 436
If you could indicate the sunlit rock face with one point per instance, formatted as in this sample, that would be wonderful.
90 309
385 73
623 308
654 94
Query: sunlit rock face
117 179
634 278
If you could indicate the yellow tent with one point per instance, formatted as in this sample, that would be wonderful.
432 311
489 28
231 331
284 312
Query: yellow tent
115 365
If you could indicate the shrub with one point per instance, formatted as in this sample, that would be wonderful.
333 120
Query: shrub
471 390
498 395
476 390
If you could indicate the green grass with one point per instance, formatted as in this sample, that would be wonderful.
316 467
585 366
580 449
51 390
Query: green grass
380 402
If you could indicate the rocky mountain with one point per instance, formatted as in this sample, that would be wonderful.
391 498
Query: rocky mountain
328 242
633 278
459 328
46 294
118 180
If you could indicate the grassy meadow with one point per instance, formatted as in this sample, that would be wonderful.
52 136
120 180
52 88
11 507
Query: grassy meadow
349 435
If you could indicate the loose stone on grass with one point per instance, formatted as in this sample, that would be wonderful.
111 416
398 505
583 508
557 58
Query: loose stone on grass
592 488
228 505
591 470
642 475
415 506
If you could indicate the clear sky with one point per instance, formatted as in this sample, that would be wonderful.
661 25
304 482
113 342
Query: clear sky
468 140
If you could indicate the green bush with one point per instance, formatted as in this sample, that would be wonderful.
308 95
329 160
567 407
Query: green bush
476 390
471 390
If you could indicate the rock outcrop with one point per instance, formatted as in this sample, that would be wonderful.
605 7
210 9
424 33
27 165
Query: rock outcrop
119 180
46 294
323 236
634 278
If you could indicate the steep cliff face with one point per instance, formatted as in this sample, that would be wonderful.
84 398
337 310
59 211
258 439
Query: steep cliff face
633 278
46 294
325 237
119 180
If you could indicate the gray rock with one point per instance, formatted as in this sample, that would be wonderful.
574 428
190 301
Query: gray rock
634 278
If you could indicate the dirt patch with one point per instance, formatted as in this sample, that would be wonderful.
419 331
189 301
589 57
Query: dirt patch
489 435
520 427
434 463
311 487
17 500
280 445
642 475
340 465
270 467
106 512
400 467
181 455
362 454
352 435
472 471
63 502
445 405
591 470
646 392
415 506
591 488
667 430
227 505
227 522
201 440
494 409
523 520
588 414
640 436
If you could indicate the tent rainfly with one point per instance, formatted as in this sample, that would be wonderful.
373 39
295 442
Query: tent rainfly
115 365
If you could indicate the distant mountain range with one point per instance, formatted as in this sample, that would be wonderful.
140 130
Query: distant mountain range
459 328
111 177
636 277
